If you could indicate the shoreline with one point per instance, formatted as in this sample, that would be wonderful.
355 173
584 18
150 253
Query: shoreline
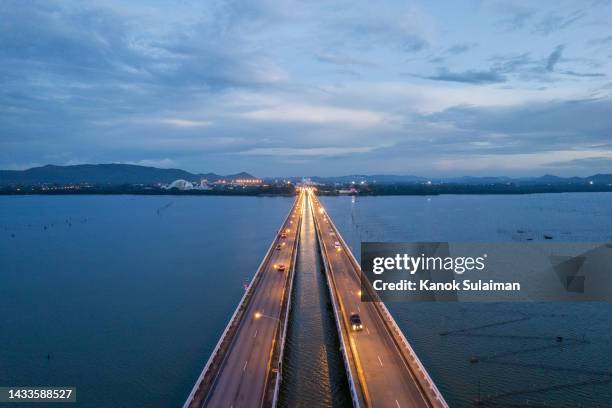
263 194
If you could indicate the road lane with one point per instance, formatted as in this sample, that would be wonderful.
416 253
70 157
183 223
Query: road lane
388 379
241 378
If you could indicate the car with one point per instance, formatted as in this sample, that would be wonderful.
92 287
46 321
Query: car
281 268
337 246
356 324
279 247
283 235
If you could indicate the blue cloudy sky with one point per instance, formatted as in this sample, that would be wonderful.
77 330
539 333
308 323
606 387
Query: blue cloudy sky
309 87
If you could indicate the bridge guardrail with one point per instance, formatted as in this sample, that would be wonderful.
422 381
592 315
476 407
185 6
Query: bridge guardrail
287 310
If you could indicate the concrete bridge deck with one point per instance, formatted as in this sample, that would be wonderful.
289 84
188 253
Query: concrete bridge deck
383 369
245 367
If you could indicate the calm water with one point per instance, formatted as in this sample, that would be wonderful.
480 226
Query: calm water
313 373
521 362
128 296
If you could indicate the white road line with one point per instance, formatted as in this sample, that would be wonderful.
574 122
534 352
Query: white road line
368 330
380 361
247 362
358 309
255 335
397 403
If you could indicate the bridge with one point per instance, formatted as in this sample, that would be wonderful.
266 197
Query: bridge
383 369
245 368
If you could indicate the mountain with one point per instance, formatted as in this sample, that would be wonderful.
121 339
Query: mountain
239 176
601 178
111 174
471 180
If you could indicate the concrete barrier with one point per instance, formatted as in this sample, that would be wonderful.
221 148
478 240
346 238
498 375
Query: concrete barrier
287 311
346 354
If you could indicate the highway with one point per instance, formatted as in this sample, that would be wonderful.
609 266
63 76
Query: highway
384 376
241 378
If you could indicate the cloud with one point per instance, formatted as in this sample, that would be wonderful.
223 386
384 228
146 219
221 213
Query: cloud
342 60
528 68
309 151
94 44
584 74
155 121
366 26
555 22
185 123
199 86
516 16
469 77
512 63
586 163
601 40
535 127
512 162
461 48
319 115
554 58
160 163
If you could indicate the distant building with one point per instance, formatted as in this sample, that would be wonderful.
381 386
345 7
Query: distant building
247 182
180 184
349 191
204 185
188 185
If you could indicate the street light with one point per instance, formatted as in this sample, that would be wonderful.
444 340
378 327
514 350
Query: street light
259 315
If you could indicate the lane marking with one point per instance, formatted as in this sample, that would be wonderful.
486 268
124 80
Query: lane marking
247 362
256 331
397 403
368 330
380 361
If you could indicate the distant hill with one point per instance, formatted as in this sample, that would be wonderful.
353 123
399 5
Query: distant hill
601 178
109 174
375 178
464 180
118 174
547 179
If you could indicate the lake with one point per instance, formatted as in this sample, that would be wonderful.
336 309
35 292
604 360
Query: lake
521 361
127 294
124 297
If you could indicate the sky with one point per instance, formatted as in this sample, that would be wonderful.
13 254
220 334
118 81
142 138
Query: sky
290 88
